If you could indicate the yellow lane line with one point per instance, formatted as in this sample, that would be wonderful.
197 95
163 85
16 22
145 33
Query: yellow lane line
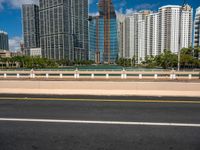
101 100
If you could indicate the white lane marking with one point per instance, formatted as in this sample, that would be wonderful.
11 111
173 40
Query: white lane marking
101 122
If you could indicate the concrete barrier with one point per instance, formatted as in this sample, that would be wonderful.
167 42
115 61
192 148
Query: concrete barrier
76 74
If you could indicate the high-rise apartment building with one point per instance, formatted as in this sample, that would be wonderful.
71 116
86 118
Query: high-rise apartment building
149 34
186 27
141 41
4 41
136 35
30 15
152 34
175 27
121 28
197 28
103 34
64 29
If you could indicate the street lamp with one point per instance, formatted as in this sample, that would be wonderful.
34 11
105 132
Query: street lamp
179 52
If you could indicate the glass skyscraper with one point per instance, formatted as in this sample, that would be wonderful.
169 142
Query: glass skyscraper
64 29
103 34
4 41
30 14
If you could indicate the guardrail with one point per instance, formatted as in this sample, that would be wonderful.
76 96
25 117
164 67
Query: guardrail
98 74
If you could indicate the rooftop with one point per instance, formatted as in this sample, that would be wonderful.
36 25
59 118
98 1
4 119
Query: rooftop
3 32
170 6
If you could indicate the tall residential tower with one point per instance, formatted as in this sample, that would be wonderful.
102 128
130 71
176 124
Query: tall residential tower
30 14
175 27
64 29
136 35
197 28
121 28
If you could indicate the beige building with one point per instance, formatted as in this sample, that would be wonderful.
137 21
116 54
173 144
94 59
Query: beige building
36 52
5 54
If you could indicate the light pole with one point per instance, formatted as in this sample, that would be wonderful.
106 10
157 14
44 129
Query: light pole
180 26
179 60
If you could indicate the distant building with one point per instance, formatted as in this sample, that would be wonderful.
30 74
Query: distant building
5 53
152 34
175 27
22 48
103 34
4 41
149 33
36 52
17 53
121 30
64 29
30 14
136 35
197 28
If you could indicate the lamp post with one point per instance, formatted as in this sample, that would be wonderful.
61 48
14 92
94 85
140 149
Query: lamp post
180 25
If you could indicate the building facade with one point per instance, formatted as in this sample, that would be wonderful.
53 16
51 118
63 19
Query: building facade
30 15
175 28
149 33
4 41
103 34
36 52
197 28
136 35
5 53
152 34
64 29
121 30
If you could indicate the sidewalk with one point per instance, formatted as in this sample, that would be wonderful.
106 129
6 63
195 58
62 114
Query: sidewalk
101 88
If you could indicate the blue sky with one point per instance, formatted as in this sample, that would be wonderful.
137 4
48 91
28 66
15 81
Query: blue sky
10 15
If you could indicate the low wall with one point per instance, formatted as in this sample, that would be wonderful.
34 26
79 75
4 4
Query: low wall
78 74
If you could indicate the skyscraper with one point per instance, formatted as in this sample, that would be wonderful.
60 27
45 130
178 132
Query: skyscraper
64 29
152 34
121 34
103 34
149 33
4 41
175 27
136 35
30 14
197 28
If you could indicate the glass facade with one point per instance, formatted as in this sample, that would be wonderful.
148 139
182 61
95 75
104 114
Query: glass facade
4 41
30 13
103 34
64 29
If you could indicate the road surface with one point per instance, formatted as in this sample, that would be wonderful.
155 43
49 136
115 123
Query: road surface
99 123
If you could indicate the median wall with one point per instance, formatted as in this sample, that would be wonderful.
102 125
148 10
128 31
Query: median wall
98 74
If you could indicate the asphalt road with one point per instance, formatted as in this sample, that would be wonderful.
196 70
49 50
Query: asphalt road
75 123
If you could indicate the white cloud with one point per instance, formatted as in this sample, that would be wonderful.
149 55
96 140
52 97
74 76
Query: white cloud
16 3
145 6
130 11
14 43
94 14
